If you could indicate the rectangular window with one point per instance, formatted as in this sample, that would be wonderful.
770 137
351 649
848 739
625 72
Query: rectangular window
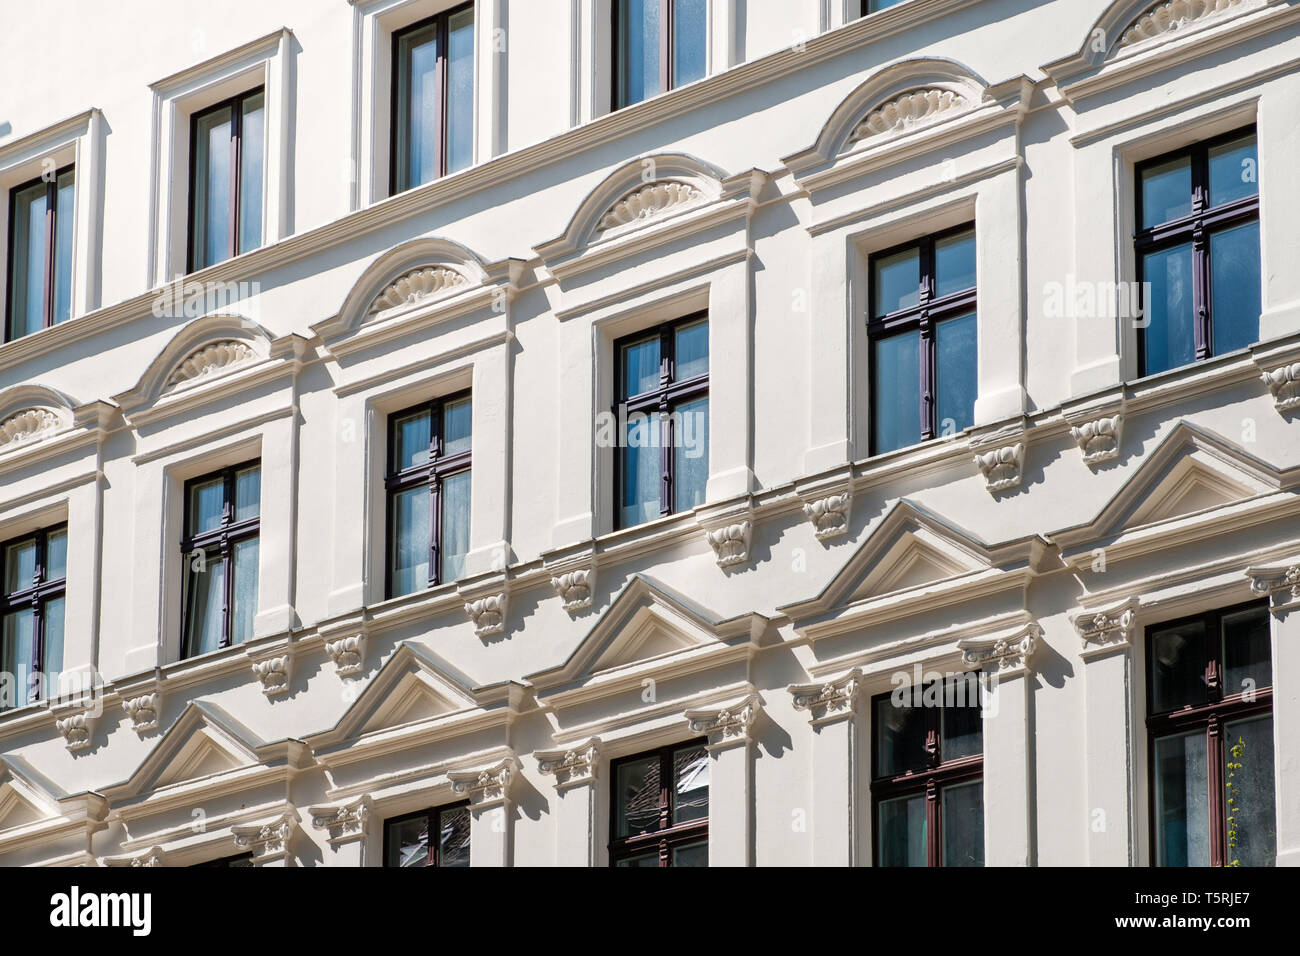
1210 718
658 45
437 837
433 98
226 862
1197 250
927 784
662 410
33 569
660 813
41 221
227 145
428 487
923 334
220 555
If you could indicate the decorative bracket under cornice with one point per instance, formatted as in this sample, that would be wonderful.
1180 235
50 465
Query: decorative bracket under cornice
572 765
728 725
1279 582
828 700
1002 655
1107 628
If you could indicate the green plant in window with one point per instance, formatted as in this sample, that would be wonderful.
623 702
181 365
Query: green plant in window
1236 753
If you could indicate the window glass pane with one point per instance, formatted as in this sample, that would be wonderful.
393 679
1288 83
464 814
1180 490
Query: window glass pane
954 263
17 647
417 107
460 90
963 824
56 555
636 797
900 735
205 589
691 854
1166 191
876 5
212 188
1182 801
640 367
688 41
897 282
453 840
691 773
640 470
1168 337
1235 287
52 664
640 862
27 265
408 843
692 350
638 50
1247 651
412 435
66 220
1248 803
902 831
207 501
961 726
1234 170
455 525
691 453
1178 667
20 565
246 553
248 493
411 536
896 392
251 151
457 426
955 370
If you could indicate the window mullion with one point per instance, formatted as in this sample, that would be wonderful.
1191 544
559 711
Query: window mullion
440 96
435 531
232 244
51 224
665 45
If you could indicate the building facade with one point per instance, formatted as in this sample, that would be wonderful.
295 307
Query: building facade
651 432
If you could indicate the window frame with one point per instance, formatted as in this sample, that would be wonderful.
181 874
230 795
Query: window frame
237 862
440 21
225 536
931 780
50 266
669 835
434 817
433 473
35 596
1196 228
667 50
924 317
1210 717
234 105
665 397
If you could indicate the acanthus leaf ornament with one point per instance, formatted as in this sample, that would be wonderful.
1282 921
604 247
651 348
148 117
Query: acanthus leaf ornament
1003 467
1284 384
829 515
488 614
573 764
348 654
1108 627
1278 582
273 673
143 711
729 723
1099 439
486 784
730 542
829 698
575 588
77 730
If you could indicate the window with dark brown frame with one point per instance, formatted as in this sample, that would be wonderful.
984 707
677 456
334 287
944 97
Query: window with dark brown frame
428 489
220 554
927 768
923 331
659 45
226 862
39 275
661 387
660 812
227 146
433 98
34 570
1197 251
1210 724
436 837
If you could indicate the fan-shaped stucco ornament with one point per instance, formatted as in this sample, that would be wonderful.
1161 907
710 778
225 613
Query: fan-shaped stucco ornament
647 202
908 111
415 286
1171 16
26 425
209 360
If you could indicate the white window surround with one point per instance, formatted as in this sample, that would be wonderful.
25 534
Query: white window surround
77 142
266 62
373 24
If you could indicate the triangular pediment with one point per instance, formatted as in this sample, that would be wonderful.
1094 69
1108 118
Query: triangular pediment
651 633
203 755
203 742
17 809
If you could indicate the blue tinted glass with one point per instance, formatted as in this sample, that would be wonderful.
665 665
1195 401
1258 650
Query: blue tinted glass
53 662
27 262
640 367
1235 287
455 526
246 557
638 51
417 107
20 565
955 367
1182 811
411 536
1234 170
1168 337
875 5
253 133
56 556
248 493
692 347
212 188
954 264
691 453
457 426
207 501
896 392
65 203
688 41
1166 191
205 594
460 90
17 651
639 496
412 434
897 280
